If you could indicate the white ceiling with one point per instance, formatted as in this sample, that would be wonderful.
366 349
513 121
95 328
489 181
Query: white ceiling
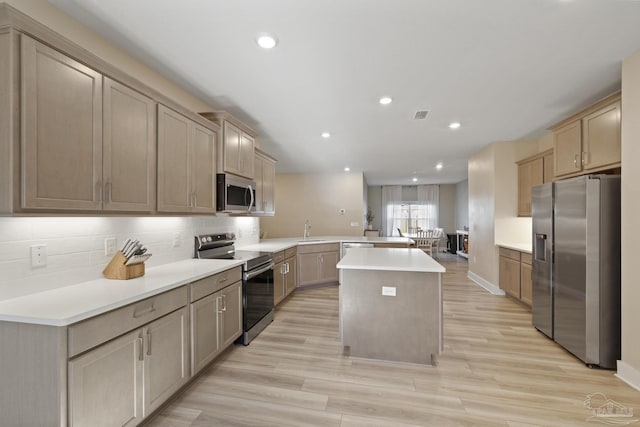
506 69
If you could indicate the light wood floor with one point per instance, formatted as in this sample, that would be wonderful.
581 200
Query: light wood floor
496 370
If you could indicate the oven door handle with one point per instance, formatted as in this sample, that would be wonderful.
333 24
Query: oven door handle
251 274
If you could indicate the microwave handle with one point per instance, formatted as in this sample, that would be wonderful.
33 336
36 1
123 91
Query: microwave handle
252 200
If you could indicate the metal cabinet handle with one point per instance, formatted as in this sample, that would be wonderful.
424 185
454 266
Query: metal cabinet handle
148 341
224 303
140 348
584 157
222 279
218 305
137 314
99 189
575 161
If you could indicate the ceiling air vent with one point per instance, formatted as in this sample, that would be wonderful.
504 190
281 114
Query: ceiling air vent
421 115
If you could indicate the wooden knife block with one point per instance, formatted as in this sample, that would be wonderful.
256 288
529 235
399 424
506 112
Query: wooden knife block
117 270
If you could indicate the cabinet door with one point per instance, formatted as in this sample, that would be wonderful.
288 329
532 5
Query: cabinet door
257 174
526 284
231 314
547 174
247 155
203 146
166 358
206 313
231 148
129 164
328 262
509 278
601 137
567 148
529 175
268 186
61 113
309 269
291 281
105 384
174 193
279 286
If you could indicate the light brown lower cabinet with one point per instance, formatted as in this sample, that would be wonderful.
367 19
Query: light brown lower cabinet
317 263
124 380
285 274
515 274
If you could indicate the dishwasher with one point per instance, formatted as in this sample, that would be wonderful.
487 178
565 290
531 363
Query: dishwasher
347 245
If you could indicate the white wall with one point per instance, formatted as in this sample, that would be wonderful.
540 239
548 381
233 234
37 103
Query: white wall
630 367
374 201
447 208
75 245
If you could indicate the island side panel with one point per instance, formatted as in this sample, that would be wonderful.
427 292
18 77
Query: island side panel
33 372
403 328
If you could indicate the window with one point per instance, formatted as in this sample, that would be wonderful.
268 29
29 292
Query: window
410 216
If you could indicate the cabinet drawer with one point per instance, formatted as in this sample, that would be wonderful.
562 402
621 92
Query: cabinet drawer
510 253
278 257
291 252
525 258
211 284
97 330
322 247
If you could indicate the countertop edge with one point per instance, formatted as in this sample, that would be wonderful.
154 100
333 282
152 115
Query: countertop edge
521 247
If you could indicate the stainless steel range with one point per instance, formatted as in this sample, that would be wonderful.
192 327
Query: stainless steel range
257 279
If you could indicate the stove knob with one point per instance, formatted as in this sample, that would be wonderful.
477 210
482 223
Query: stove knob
203 240
209 239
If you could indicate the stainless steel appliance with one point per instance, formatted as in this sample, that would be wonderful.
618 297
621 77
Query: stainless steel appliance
576 266
235 194
257 280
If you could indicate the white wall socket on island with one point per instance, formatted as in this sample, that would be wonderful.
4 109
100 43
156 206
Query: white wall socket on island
389 291
177 239
38 256
355 223
109 246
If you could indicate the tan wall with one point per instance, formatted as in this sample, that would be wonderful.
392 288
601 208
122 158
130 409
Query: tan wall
462 204
447 208
318 198
493 204
482 259
630 209
374 201
49 15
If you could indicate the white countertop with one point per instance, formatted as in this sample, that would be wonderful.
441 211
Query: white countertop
71 304
280 244
522 247
392 259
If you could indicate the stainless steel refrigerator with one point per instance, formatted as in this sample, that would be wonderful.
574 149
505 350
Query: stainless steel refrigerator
576 266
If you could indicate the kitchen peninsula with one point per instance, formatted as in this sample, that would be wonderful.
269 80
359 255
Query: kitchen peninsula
391 304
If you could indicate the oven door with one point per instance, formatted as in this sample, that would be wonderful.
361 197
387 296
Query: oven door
257 294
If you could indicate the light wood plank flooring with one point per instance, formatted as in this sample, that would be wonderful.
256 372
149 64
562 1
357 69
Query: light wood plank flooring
496 370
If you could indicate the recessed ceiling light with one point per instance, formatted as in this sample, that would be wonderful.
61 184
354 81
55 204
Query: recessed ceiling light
415 179
326 135
439 166
347 169
454 125
266 41
385 100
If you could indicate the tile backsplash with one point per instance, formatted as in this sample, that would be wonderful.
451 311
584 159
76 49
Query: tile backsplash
75 245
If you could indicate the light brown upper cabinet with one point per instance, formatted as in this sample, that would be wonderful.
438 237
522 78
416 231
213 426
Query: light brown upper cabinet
532 171
88 141
590 140
61 143
265 176
186 164
129 150
236 149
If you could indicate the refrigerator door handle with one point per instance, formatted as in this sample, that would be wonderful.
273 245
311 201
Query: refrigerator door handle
540 247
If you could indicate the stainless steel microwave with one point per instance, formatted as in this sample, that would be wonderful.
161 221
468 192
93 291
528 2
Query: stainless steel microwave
235 194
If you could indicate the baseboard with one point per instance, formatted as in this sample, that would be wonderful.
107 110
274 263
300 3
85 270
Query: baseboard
628 374
484 284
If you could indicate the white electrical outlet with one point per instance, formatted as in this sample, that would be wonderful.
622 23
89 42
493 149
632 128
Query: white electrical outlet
355 224
109 246
38 256
177 239
389 291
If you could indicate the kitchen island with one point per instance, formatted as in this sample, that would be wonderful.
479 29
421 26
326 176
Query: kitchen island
391 304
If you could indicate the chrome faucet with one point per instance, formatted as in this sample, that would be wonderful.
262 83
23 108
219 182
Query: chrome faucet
307 229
